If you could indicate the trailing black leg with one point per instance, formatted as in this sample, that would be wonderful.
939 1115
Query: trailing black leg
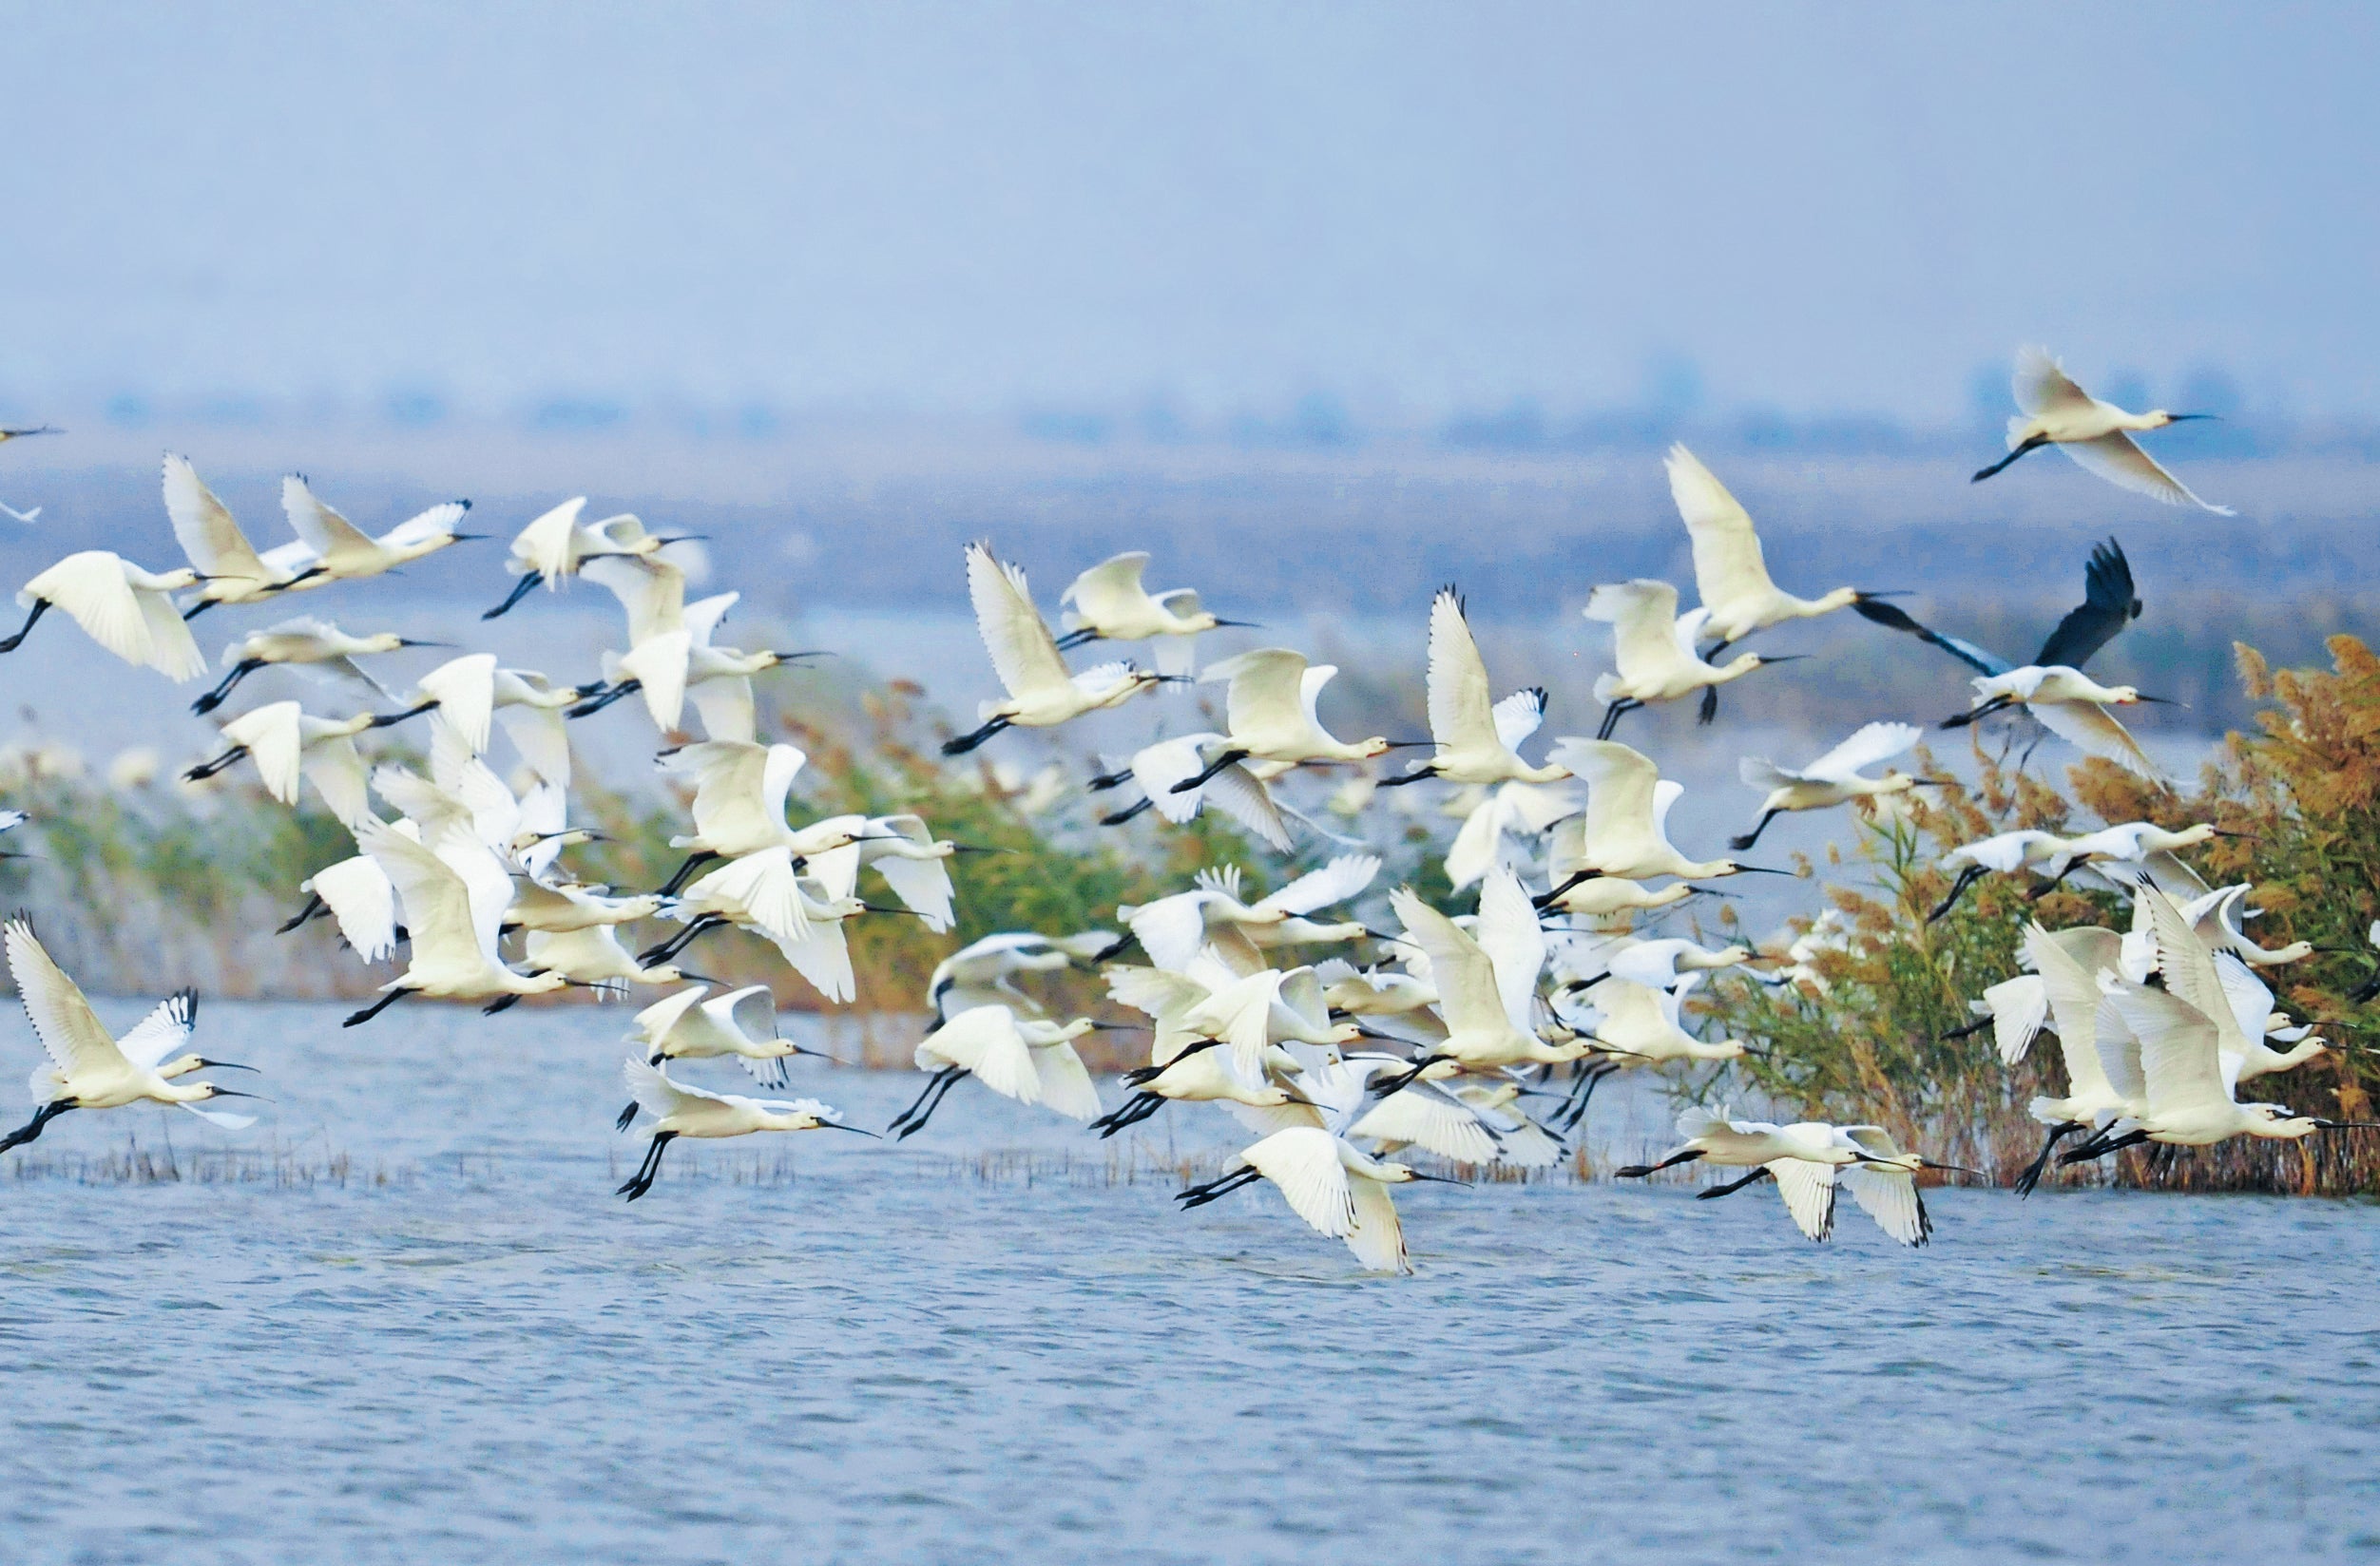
1757 828
1638 1172
2032 1176
520 590
314 909
1230 757
1732 1186
932 1082
695 861
41 607
32 1128
239 671
965 743
392 998
1969 875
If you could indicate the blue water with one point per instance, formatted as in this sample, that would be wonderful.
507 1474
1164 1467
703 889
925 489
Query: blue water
818 1349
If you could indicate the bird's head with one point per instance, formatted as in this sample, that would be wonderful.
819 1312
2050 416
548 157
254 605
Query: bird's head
1346 1033
1725 1049
1075 1029
179 578
2190 838
1376 745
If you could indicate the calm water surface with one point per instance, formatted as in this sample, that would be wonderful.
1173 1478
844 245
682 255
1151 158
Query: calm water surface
817 1348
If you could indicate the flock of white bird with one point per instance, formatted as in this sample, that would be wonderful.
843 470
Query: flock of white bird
1337 1045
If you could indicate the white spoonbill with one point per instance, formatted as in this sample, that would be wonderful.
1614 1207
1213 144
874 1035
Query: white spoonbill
288 742
738 807
348 554
552 549
1473 733
1027 1058
2097 435
2069 964
1801 1158
1653 648
1173 930
2005 853
679 1110
1833 779
306 642
453 914
2069 705
1110 604
984 972
1269 699
1180 776
905 853
1338 1190
128 611
1042 693
1731 573
1487 985
740 1023
2191 1048
89 1068
232 570
1626 830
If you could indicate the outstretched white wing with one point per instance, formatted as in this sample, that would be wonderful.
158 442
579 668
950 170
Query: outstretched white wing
2042 386
1892 1200
1809 1192
1876 742
1460 715
1728 565
1303 1163
1024 653
1336 882
78 1042
163 1031
2118 458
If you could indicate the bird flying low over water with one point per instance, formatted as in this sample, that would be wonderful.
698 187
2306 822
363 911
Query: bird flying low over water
2097 435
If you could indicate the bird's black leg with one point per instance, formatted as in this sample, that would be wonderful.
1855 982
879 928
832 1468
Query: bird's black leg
199 608
1415 776
1757 828
41 607
604 698
679 941
1199 1195
376 1007
2051 885
1117 818
695 861
239 671
1613 713
2032 1176
1969 875
1732 1186
520 590
918 1124
1638 1172
208 769
965 743
314 909
2030 443
627 1116
1229 758
502 1003
932 1082
32 1128
641 1181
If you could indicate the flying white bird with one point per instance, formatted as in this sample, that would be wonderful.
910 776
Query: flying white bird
2069 705
2069 964
1474 733
90 1068
1173 930
1180 776
1042 693
740 1023
1109 604
308 643
232 570
1730 574
1653 646
552 549
453 900
347 554
1486 983
681 1110
739 808
2005 854
1021 1058
1339 1189
1626 830
1834 778
2191 1049
984 972
128 611
1269 699
2097 435
288 743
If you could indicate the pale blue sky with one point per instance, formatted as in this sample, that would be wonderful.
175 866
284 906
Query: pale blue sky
988 207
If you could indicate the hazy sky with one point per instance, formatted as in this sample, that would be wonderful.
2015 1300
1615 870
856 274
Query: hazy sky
989 206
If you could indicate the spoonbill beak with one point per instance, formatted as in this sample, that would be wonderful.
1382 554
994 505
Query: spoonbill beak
1953 1169
415 641
465 537
2185 418
838 1125
223 1065
1437 1179
234 1093
2161 701
1242 624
